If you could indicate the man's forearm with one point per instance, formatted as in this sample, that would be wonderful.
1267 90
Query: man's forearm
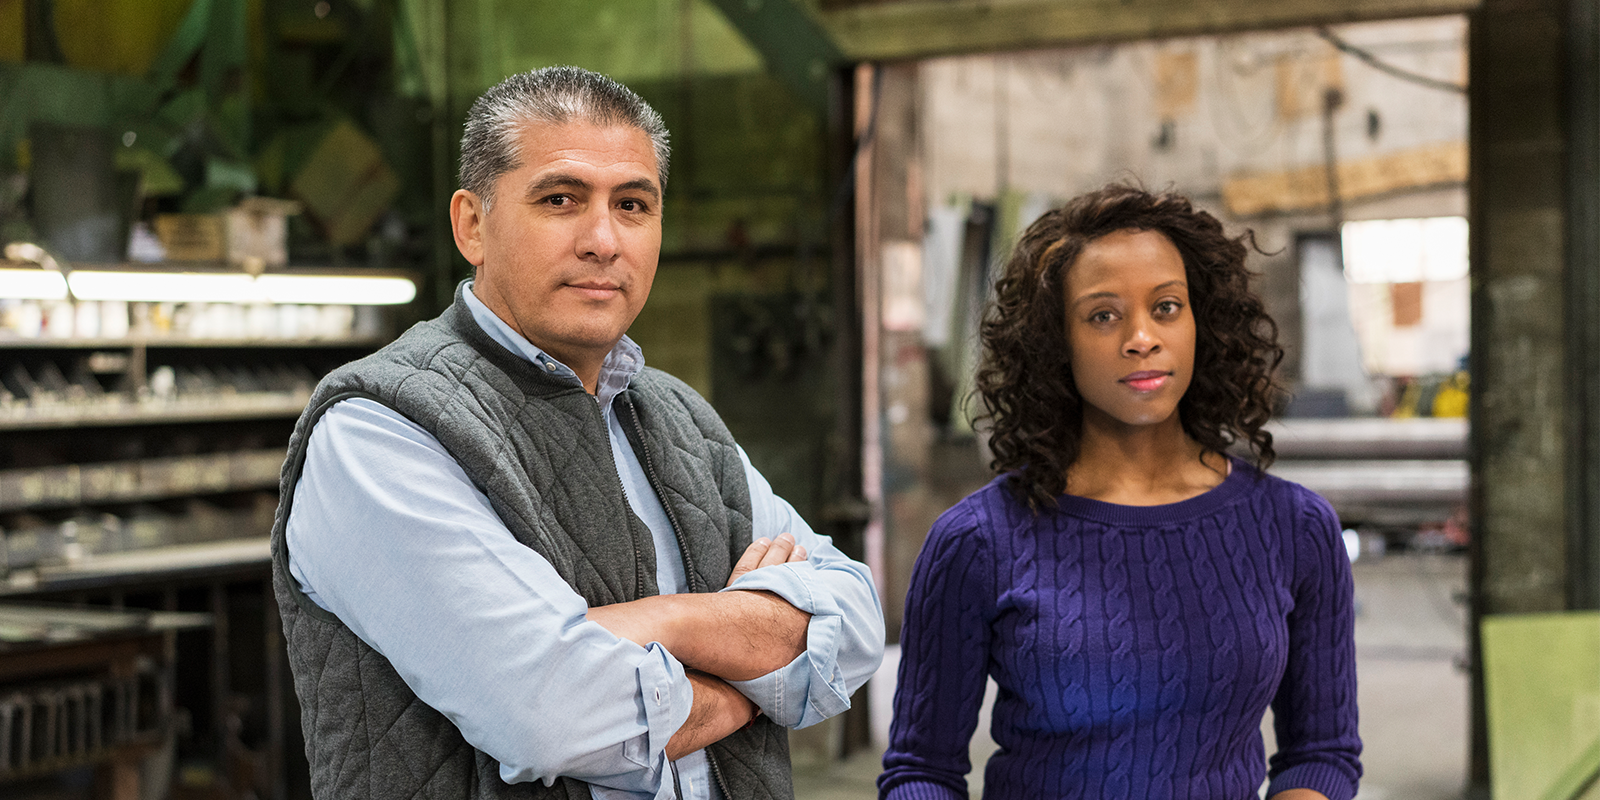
718 710
736 636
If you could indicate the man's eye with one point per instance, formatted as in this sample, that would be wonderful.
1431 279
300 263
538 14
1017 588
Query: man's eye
558 200
631 205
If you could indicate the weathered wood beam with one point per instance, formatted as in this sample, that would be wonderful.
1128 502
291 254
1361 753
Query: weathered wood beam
922 28
1306 188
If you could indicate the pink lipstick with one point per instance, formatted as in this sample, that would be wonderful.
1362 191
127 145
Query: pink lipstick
1146 380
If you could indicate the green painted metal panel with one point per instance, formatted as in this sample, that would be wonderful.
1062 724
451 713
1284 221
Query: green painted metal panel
1542 691
798 51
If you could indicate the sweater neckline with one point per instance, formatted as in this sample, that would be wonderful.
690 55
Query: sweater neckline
1232 487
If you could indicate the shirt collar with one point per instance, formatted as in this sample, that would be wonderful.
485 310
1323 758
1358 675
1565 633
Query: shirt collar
623 362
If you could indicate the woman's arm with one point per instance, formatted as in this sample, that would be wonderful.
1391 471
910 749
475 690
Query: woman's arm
944 647
1314 711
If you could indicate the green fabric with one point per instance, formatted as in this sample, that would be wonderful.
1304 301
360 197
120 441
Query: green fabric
1542 692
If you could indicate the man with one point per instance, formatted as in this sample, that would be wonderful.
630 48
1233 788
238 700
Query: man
502 539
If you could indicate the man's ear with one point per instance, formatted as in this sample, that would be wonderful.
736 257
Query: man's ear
466 222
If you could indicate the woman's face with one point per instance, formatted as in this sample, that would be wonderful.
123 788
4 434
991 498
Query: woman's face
1129 328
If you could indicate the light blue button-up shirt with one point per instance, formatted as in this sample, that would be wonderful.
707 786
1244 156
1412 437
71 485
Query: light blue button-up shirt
389 533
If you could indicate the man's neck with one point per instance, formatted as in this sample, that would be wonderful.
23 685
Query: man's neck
587 370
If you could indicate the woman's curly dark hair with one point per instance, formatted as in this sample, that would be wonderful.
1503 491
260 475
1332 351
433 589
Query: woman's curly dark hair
1031 406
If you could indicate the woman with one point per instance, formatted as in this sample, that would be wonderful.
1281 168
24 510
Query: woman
1139 596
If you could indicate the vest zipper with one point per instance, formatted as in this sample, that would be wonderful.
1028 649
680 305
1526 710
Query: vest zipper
688 564
638 555
716 775
695 584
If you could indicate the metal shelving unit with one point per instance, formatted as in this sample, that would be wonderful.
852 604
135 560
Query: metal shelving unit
135 342
125 488
235 407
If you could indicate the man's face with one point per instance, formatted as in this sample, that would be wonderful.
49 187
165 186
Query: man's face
567 254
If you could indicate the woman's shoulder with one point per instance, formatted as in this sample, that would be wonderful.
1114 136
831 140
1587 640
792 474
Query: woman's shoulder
976 517
1298 519
971 513
1306 504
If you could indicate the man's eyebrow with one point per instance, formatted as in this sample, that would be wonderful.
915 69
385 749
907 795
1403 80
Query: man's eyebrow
558 180
644 185
562 180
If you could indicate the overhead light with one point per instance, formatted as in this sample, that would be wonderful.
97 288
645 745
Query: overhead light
1405 250
168 287
354 290
212 287
32 284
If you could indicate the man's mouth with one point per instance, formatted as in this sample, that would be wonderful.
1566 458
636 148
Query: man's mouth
1146 380
597 289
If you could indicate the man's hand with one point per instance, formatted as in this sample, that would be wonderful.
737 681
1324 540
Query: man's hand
736 635
718 710
765 553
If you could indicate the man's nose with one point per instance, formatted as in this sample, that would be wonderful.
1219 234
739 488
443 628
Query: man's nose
597 238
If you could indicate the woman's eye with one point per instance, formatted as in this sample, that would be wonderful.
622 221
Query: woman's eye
1167 307
1101 317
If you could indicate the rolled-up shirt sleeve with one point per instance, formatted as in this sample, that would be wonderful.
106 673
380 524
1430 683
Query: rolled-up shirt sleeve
844 640
389 534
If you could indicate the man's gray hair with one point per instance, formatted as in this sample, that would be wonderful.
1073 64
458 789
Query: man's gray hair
553 96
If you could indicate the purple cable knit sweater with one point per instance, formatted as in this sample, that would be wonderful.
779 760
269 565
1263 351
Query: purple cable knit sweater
1136 648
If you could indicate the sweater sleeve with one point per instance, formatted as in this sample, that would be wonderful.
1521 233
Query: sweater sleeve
944 645
1314 712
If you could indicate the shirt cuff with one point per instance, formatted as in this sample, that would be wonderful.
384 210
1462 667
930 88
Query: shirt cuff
810 688
1325 778
637 765
667 697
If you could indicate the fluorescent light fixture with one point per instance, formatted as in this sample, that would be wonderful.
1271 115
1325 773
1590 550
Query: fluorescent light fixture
353 290
237 287
163 287
32 284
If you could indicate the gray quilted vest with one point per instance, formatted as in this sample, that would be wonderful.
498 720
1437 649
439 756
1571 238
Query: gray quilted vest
538 448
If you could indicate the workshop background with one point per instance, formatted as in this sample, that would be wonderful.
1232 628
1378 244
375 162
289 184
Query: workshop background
205 205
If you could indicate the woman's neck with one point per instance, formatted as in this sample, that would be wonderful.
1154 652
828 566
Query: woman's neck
1143 465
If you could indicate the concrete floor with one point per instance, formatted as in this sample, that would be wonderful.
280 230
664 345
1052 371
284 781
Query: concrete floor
1410 637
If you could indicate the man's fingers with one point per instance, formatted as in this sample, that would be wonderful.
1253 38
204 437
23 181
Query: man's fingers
768 553
779 551
752 555
751 559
